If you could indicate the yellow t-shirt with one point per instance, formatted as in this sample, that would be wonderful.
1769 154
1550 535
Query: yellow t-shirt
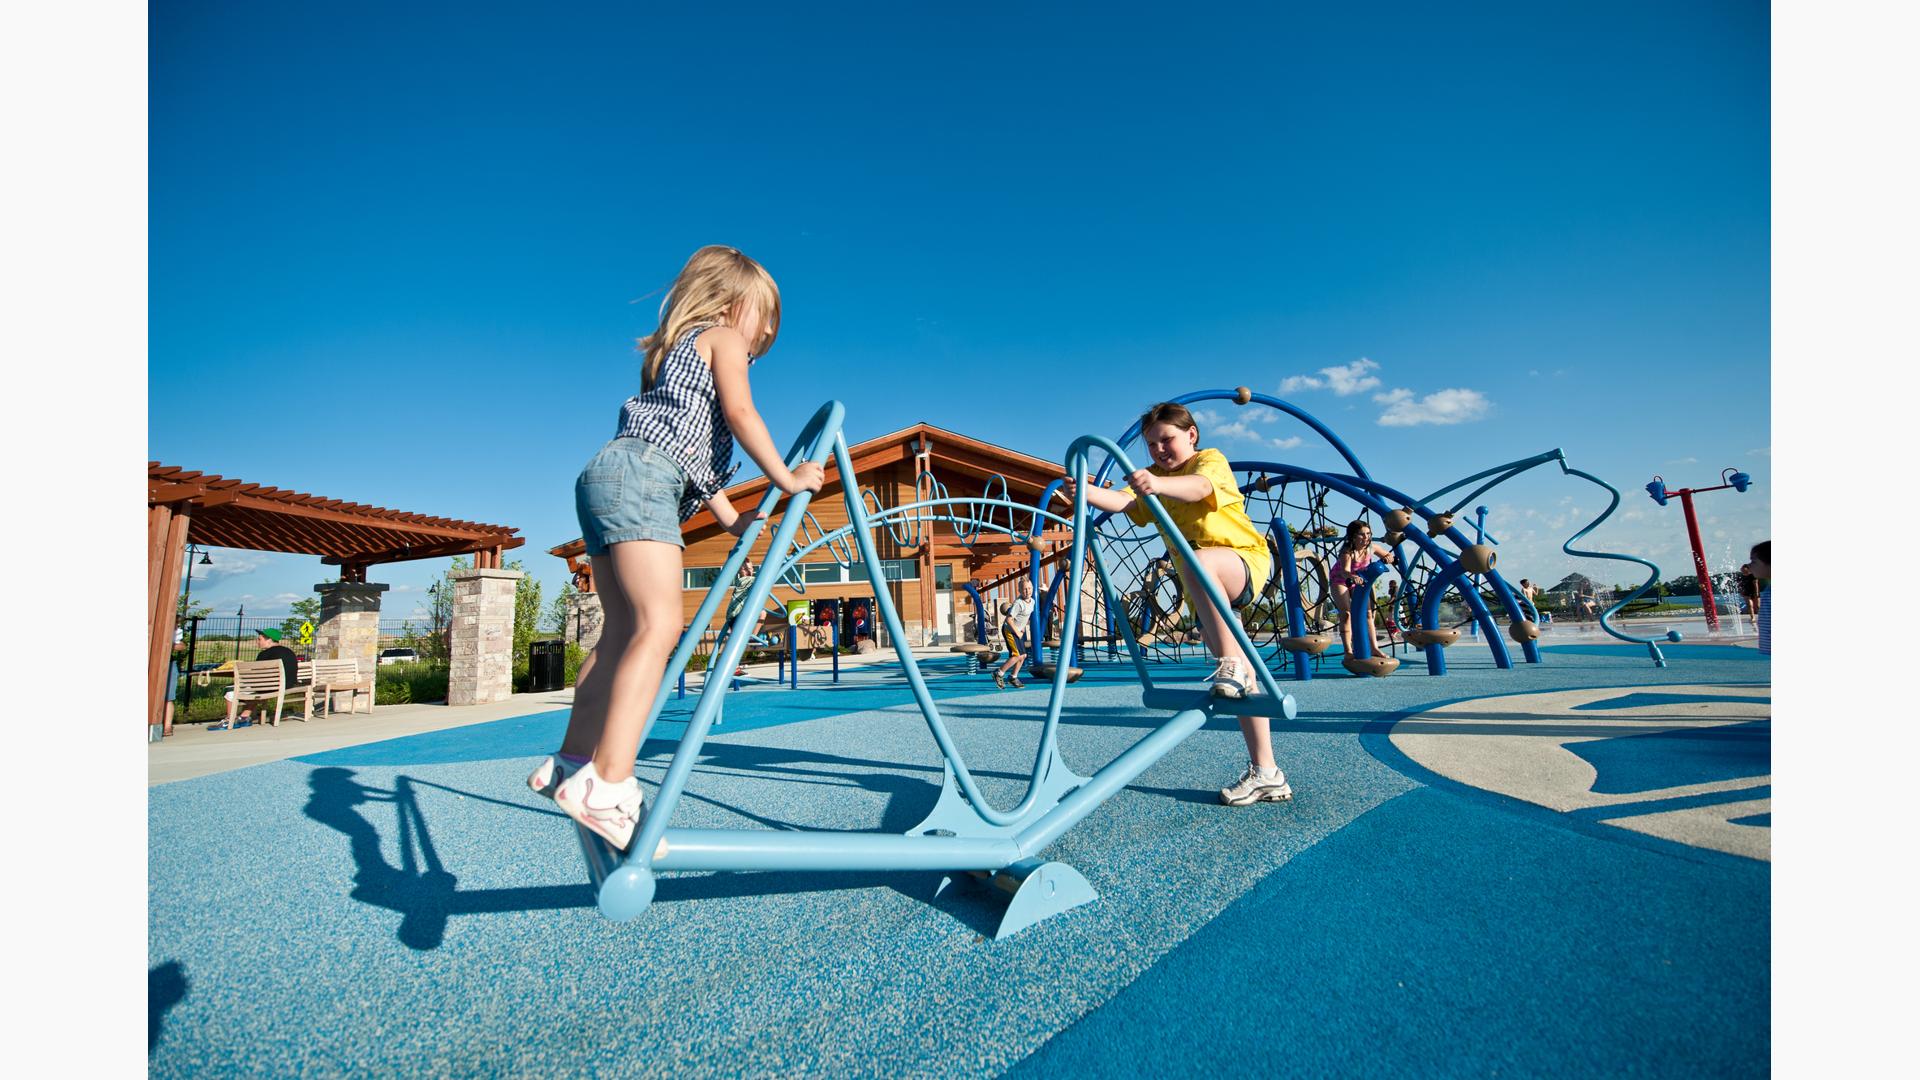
1219 521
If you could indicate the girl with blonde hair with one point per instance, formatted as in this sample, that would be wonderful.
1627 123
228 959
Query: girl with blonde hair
1200 494
670 457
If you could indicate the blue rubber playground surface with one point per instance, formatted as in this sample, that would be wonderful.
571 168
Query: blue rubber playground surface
1559 869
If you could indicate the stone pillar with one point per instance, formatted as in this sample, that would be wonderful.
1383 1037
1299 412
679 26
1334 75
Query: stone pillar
482 639
349 622
584 620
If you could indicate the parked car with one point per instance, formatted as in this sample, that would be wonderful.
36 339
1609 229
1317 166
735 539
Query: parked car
399 656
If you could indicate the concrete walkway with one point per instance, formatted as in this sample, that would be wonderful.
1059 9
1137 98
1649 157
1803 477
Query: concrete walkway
197 750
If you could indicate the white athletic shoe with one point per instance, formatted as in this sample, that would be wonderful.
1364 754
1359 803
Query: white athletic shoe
610 810
1227 680
1254 787
546 777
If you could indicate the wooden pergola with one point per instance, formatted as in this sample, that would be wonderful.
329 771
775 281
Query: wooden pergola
184 507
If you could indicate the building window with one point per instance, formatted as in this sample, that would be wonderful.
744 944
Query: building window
890 569
943 576
701 577
822 573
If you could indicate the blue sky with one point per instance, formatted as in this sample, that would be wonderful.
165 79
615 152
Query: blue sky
393 252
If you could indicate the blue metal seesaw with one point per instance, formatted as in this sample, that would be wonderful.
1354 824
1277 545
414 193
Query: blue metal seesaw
964 833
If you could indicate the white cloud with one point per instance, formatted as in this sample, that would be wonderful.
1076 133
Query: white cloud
1685 461
1342 379
1352 378
1451 406
1764 451
1287 443
1215 427
228 563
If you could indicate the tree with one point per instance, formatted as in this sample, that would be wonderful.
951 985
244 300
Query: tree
526 612
184 611
562 607
440 614
305 610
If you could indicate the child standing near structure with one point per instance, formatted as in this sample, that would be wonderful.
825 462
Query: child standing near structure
670 457
1199 493
1014 618
1357 552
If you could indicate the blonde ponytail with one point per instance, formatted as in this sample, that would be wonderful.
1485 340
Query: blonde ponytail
717 283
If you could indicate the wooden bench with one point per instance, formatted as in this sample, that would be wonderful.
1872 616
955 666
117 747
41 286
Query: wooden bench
332 677
260 681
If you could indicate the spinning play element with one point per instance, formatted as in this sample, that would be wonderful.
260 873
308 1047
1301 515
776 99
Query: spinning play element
964 834
1045 671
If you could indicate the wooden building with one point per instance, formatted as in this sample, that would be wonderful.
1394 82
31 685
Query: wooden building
926 580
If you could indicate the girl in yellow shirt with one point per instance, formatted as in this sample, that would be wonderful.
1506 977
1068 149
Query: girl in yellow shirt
1198 491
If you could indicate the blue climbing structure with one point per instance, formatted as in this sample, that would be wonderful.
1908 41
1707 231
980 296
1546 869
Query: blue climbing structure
964 835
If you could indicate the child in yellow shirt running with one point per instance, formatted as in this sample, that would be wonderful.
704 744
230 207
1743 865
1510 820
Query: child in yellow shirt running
1198 491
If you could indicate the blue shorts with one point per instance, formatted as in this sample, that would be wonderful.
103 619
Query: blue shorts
629 491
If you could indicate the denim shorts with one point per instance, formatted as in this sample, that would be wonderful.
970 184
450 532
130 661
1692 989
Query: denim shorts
629 491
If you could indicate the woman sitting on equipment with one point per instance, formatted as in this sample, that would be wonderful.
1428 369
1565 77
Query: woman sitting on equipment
1357 552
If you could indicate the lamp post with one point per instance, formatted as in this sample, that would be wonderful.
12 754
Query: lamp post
193 627
434 590
1657 489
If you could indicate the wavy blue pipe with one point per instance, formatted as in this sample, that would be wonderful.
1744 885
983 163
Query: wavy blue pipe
1515 468
1652 644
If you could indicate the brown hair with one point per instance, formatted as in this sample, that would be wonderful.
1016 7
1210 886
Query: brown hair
1353 532
1167 413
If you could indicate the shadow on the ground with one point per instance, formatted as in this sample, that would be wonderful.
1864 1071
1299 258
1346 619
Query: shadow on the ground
166 987
976 907
426 894
420 889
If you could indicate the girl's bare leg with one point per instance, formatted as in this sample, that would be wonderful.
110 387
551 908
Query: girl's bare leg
589 709
1230 575
641 597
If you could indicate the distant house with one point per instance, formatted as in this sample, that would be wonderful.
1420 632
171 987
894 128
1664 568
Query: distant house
1571 584
922 575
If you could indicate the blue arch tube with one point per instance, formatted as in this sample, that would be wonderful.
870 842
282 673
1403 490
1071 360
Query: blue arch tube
1296 615
1452 576
1288 407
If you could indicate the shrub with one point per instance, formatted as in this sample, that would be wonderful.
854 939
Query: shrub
404 684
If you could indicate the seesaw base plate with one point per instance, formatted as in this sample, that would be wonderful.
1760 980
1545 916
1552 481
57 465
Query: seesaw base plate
1038 890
